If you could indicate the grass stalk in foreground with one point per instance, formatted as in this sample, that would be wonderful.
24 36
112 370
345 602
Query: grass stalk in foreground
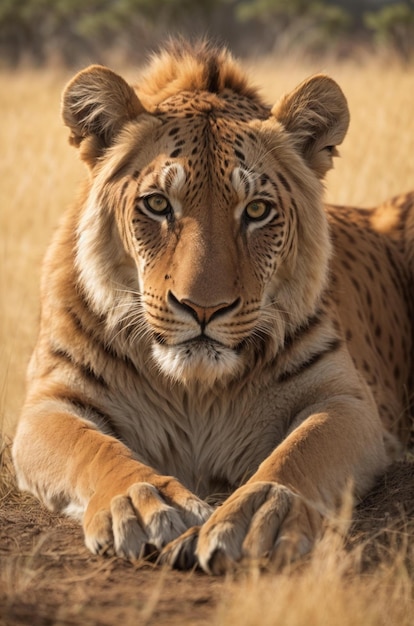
327 591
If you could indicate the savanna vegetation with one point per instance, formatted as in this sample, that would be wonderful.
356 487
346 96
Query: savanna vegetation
74 32
363 572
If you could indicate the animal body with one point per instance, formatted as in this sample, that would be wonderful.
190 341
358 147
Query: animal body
210 331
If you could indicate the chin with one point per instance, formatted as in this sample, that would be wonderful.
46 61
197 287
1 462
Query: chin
198 362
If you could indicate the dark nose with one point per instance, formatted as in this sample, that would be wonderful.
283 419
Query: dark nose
202 314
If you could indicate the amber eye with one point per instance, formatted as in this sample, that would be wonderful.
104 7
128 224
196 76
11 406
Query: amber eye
257 210
157 204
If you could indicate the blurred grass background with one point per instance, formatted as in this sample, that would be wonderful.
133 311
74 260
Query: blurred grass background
71 32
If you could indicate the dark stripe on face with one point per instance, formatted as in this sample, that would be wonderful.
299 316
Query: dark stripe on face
240 156
284 182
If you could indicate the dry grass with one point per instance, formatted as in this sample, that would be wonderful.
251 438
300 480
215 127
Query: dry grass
361 572
39 175
323 596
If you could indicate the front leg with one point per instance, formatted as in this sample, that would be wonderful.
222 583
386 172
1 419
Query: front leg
279 513
145 514
126 507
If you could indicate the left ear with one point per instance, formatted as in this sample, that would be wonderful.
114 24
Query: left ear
96 104
316 115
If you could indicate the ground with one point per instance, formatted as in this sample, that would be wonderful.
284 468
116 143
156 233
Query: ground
48 578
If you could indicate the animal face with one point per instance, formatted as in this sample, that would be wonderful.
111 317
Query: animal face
213 218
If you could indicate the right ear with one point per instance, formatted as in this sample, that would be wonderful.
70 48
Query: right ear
317 117
95 105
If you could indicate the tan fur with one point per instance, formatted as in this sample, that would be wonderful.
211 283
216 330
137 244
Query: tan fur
209 330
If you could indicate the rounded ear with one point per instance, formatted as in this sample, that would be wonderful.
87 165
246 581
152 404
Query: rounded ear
316 115
96 103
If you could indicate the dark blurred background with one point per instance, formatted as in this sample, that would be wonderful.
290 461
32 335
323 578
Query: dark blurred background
75 32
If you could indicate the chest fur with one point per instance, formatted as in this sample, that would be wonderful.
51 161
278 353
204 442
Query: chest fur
210 441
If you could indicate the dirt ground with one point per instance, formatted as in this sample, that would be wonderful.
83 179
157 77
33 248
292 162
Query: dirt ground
47 577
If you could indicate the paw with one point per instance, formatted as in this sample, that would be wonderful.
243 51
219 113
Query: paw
180 553
139 522
261 522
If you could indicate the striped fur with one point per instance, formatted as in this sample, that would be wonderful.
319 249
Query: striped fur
210 331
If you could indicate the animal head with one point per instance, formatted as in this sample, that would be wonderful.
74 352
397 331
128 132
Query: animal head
203 232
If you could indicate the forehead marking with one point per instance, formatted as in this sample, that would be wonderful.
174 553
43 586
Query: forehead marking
243 181
172 178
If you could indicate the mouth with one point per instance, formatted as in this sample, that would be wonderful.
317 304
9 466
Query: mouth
201 340
197 359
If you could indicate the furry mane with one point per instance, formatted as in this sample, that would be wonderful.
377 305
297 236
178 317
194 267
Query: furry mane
182 66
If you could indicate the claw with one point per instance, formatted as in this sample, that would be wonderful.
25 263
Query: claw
220 563
180 553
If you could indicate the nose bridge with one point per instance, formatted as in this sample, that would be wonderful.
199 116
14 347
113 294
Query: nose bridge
206 263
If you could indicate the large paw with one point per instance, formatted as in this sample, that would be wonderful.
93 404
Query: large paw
261 522
140 522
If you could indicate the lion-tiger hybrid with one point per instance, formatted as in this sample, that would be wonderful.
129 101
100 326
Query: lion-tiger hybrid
209 329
